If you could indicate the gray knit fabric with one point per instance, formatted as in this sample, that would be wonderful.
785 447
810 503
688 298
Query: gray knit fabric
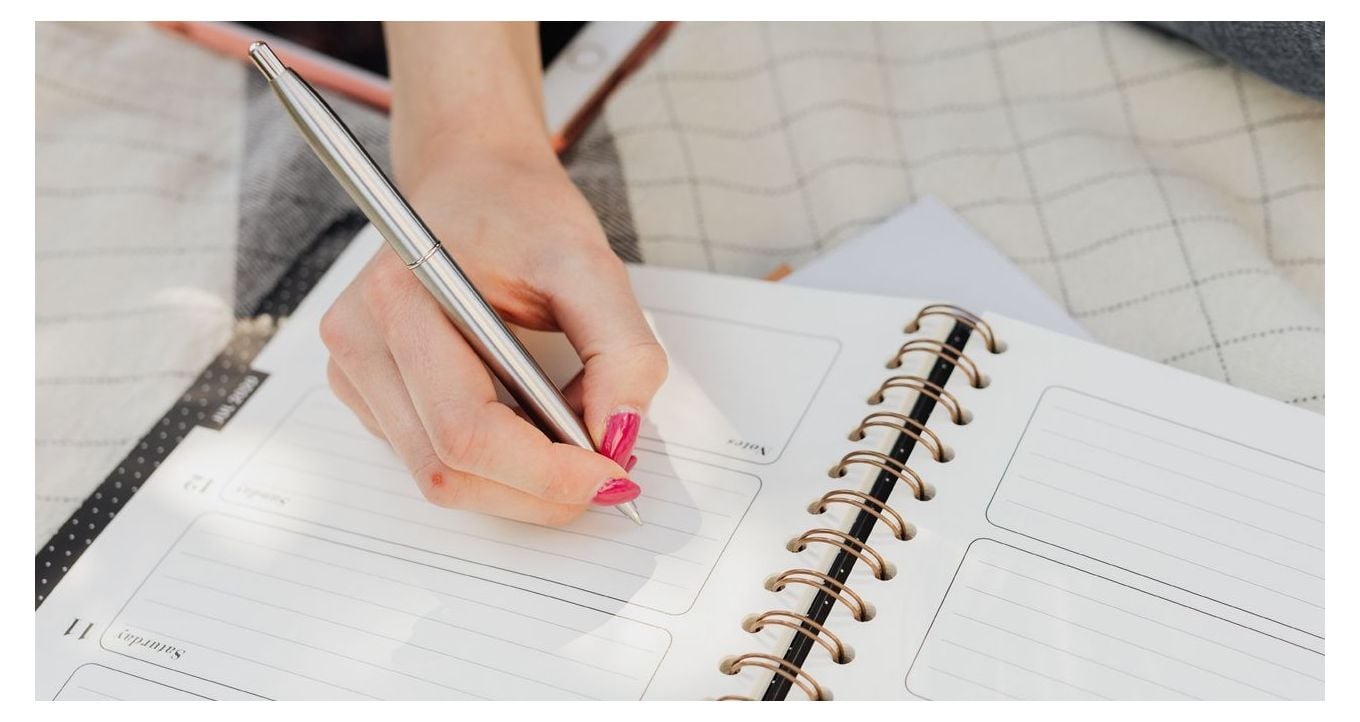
1292 54
290 205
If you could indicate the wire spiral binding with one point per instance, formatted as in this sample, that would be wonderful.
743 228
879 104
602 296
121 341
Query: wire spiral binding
963 316
780 666
869 505
947 353
905 425
860 609
904 473
881 567
957 413
840 651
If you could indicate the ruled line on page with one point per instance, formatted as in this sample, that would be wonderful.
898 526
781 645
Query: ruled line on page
1181 502
101 695
314 647
1149 619
372 603
403 642
1060 649
1160 440
1171 503
431 590
1168 470
94 679
242 600
216 650
1172 527
975 683
1163 552
422 502
1016 613
320 465
1107 635
1020 666
501 542
329 453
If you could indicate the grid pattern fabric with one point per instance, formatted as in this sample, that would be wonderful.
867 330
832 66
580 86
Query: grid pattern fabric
137 175
1171 203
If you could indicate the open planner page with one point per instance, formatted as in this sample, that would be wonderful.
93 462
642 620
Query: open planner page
290 555
1109 528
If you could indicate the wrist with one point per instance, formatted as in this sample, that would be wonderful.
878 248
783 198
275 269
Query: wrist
431 146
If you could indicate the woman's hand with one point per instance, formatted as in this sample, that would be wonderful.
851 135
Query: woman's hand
524 235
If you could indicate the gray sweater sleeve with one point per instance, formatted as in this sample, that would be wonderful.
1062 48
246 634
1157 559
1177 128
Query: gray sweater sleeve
1291 54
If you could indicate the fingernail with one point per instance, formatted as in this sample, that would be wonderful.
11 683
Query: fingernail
620 433
632 461
616 491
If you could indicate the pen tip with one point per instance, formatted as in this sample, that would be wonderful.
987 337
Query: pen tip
266 60
629 509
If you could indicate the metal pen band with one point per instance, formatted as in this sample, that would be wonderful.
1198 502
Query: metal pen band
416 263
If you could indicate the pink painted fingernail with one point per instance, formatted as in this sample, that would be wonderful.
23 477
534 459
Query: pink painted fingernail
616 491
620 433
632 461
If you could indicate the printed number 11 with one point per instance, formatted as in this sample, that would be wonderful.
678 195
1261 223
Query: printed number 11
75 623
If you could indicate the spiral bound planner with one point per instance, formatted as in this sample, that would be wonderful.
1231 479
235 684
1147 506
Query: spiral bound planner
871 508
846 497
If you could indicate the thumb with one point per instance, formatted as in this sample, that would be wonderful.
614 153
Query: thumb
624 365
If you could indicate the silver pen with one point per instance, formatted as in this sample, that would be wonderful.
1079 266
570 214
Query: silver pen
428 260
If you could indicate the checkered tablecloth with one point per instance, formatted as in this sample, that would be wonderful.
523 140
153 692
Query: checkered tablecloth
1172 203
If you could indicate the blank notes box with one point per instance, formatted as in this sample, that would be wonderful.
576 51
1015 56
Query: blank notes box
1016 625
1207 515
290 615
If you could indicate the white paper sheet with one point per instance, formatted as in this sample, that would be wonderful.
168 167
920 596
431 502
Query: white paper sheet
1107 528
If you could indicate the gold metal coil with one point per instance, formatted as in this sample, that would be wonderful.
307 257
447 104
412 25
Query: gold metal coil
807 626
957 413
945 352
780 666
906 474
860 610
880 567
963 316
869 505
906 425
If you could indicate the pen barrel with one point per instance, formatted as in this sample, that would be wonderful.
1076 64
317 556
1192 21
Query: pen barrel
418 248
503 353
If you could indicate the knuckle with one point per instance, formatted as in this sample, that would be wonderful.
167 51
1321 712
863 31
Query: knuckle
459 440
335 333
384 288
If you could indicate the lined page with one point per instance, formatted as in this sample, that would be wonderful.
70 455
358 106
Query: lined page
97 683
1015 625
1207 515
288 615
322 465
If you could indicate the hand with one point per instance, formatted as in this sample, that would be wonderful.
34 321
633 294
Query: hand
530 242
